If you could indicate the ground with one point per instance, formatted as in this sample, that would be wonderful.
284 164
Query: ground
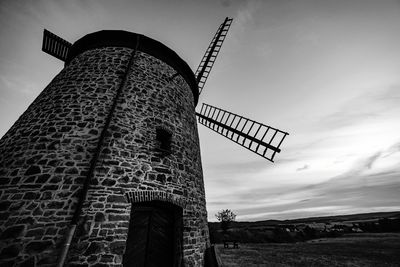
363 249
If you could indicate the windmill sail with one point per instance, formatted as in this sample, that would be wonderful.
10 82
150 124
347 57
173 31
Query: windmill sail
261 139
211 54
55 46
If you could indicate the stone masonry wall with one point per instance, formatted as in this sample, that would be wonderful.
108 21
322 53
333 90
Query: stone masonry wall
45 156
130 162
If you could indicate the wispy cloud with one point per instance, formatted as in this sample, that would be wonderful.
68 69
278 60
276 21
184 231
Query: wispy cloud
305 167
12 85
372 104
247 167
225 3
367 163
339 197
361 188
392 149
244 18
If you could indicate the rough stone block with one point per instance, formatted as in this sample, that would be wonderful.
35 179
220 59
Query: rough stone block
116 198
94 248
10 252
12 232
112 217
34 169
34 247
118 247
30 262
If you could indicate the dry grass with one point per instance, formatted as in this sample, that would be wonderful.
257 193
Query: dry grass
381 249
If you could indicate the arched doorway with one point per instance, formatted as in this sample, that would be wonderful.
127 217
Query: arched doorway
154 236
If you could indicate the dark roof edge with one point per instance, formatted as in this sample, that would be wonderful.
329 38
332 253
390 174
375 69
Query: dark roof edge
147 45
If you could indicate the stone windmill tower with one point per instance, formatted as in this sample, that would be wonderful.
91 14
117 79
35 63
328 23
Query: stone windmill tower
104 166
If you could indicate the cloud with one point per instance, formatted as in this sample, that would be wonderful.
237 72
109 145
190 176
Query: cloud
350 194
390 95
347 117
243 167
363 170
225 3
17 85
362 188
392 149
370 160
371 104
305 167
245 17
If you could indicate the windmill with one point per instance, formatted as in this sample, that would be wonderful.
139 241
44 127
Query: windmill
111 145
257 137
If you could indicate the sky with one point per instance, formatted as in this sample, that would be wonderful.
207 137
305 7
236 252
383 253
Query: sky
327 72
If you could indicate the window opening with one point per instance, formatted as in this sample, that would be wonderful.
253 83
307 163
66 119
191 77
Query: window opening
164 137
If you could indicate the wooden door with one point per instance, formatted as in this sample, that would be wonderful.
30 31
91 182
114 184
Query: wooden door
153 238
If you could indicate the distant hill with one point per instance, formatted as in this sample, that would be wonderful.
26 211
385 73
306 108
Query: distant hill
325 219
286 231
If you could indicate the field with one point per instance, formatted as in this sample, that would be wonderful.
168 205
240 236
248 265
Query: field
361 249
